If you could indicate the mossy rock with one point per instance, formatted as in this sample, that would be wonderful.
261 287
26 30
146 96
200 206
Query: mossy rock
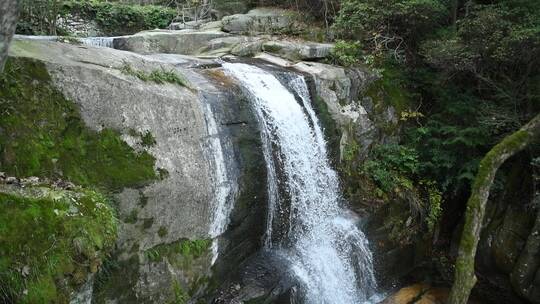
332 133
42 134
390 90
50 241
180 253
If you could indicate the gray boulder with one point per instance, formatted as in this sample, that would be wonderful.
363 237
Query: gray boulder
186 42
298 50
262 20
223 46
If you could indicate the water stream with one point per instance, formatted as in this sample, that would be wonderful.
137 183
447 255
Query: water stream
98 41
221 204
327 253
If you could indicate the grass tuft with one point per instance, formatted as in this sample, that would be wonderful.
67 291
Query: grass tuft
160 76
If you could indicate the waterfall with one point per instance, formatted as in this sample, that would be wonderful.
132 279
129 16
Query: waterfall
98 41
328 254
32 37
221 204
91 41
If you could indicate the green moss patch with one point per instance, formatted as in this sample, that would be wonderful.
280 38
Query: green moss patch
116 280
181 253
390 89
50 240
43 134
189 256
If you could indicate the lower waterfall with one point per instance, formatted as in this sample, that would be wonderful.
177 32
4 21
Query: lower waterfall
327 253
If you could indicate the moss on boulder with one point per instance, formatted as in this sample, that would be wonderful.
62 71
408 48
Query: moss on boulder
50 241
42 134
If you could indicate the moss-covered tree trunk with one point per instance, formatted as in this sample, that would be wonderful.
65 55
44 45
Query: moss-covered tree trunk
9 11
465 278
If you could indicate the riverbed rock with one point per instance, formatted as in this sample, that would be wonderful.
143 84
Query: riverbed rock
296 50
194 24
418 294
186 42
211 26
248 48
177 209
223 46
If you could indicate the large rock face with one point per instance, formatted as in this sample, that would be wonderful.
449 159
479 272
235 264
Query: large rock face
164 249
186 42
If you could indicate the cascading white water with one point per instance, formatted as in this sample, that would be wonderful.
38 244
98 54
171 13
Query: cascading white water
221 204
98 41
32 37
91 41
327 252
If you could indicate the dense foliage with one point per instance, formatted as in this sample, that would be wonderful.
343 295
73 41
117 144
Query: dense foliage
473 66
113 18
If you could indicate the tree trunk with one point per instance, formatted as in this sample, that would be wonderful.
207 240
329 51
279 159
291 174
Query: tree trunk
9 11
454 9
464 278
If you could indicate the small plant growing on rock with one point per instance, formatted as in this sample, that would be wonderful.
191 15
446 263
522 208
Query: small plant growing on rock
162 231
158 76
148 140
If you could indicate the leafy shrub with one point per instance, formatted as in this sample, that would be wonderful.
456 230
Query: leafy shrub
395 170
392 166
113 18
346 53
389 24
119 19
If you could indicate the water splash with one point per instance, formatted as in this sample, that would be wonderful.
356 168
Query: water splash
328 254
